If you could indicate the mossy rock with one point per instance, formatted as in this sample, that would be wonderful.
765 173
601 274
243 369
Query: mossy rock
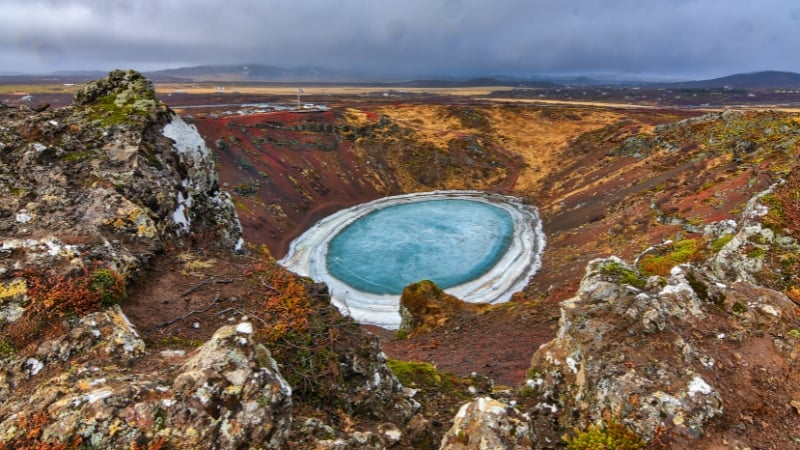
424 307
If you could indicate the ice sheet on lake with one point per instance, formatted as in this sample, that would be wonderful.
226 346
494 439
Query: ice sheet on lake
308 254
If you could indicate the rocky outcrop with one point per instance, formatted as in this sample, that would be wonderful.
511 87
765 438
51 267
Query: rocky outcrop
485 424
111 180
628 350
92 193
424 307
599 364
229 393
664 357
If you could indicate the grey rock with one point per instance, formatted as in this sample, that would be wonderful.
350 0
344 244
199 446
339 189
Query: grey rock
485 424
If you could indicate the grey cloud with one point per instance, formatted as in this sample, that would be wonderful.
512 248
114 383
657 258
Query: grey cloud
471 37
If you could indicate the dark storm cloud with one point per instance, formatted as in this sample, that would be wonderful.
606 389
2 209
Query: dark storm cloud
671 38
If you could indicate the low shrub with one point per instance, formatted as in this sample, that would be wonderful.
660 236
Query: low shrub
678 253
610 435
54 295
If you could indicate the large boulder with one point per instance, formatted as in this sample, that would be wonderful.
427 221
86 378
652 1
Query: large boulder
110 182
600 364
488 424
228 394
425 307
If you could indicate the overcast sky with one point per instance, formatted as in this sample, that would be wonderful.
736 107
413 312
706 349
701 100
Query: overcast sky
661 38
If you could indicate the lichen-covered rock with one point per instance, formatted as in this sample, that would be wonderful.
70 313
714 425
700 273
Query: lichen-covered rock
108 181
732 262
424 307
13 299
599 364
231 393
106 335
369 387
227 395
123 86
486 424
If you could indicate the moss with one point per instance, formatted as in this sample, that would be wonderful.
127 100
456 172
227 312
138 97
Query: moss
698 286
625 275
6 348
660 264
739 308
241 206
76 156
13 289
720 242
180 341
111 111
151 157
109 285
694 221
610 435
775 219
414 373
756 253
794 333
428 378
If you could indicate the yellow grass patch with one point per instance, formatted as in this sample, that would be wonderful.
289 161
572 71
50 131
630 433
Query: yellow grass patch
192 263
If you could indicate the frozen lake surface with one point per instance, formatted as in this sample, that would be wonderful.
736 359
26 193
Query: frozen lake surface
448 241
479 247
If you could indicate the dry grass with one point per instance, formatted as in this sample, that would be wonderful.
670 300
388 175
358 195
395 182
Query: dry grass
24 89
433 123
244 88
192 263
540 140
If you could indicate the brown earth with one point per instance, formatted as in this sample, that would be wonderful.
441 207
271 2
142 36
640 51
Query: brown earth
593 205
596 197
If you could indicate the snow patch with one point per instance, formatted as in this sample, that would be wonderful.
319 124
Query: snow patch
180 216
769 309
542 406
699 385
186 137
94 396
491 406
573 365
534 383
393 435
34 366
244 328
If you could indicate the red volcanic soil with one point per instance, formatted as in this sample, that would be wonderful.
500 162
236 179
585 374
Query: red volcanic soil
286 171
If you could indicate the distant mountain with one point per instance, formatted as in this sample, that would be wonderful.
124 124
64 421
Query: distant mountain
477 82
250 72
266 73
754 80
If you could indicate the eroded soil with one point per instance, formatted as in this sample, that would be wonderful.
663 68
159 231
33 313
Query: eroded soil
599 193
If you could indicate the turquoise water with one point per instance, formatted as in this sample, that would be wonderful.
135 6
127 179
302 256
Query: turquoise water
448 241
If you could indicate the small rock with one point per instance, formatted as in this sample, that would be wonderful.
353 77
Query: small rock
196 325
796 405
